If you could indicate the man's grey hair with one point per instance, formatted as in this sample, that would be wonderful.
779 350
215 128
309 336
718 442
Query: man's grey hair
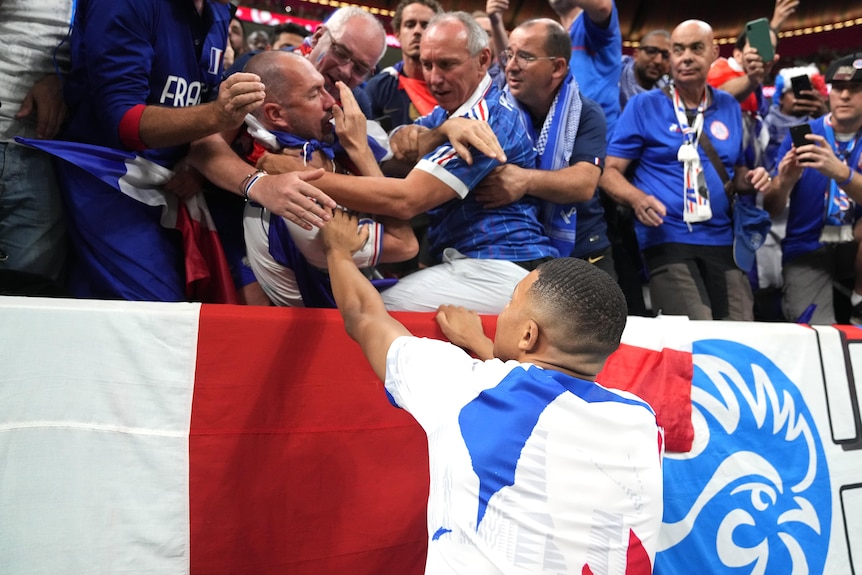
339 19
477 38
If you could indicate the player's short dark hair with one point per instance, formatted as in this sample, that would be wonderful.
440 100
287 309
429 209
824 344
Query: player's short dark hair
399 11
586 302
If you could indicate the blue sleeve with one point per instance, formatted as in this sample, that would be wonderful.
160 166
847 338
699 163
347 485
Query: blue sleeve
432 120
590 144
119 47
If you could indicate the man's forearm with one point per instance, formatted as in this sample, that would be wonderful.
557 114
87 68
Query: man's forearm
740 88
567 186
599 11
163 126
213 157
619 188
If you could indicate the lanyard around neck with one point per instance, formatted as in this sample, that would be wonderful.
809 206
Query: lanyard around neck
690 133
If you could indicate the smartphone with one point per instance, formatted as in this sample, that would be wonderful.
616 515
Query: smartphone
797 134
800 83
760 36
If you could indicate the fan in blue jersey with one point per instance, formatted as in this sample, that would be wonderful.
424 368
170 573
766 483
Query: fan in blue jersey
534 467
822 182
683 214
482 252
399 94
595 50
567 129
145 77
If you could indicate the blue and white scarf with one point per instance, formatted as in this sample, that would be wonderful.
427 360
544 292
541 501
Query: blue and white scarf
554 144
839 208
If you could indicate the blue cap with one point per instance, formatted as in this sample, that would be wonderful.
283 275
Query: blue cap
750 228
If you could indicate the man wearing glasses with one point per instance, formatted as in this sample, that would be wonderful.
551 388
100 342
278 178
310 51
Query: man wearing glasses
648 68
481 253
567 129
346 48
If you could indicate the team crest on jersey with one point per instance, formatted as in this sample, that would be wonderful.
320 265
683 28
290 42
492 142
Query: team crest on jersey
719 130
768 506
673 128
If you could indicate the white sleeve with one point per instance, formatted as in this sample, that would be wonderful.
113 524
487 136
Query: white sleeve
431 379
311 246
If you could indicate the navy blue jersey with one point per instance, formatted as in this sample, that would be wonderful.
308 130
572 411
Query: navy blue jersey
128 53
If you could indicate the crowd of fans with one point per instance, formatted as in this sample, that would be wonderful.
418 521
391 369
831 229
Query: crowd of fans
466 201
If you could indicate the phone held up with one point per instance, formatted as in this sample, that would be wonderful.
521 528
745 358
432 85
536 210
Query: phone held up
797 134
760 37
800 84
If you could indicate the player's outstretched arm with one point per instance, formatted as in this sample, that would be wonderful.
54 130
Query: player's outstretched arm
361 307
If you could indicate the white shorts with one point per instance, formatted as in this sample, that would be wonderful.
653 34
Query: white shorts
482 285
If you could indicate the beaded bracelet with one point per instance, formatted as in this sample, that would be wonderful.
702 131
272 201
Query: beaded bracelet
848 180
249 181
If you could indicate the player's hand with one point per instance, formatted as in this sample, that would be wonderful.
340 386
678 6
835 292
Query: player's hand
463 327
238 95
45 98
464 132
291 196
343 233
291 160
504 185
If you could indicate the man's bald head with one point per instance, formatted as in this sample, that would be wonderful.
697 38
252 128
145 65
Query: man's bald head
692 53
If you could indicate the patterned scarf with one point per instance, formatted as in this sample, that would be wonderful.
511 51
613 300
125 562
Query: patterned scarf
554 144
839 207
696 206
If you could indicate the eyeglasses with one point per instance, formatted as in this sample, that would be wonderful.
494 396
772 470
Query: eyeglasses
342 55
521 59
652 51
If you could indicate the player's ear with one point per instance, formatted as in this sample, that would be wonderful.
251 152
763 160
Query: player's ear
529 341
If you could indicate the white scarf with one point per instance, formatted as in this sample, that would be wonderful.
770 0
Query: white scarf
695 193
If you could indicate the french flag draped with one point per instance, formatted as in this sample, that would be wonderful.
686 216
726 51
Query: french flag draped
207 276
187 438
